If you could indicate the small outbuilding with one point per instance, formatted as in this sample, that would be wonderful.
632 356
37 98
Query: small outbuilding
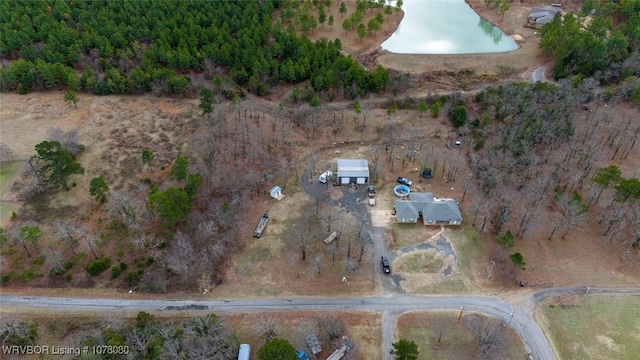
276 192
353 171
540 16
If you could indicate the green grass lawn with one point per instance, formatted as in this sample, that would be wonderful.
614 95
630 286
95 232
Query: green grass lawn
7 170
600 327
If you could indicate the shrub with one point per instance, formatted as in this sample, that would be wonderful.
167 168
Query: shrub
56 271
459 116
117 270
140 263
133 277
435 108
27 275
478 141
39 260
20 334
97 267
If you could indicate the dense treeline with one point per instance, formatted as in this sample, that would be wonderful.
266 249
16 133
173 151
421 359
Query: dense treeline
128 47
602 41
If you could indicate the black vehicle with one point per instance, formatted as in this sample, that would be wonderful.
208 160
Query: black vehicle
427 173
386 267
405 181
372 191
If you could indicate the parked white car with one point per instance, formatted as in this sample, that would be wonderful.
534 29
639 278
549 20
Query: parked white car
405 181
326 176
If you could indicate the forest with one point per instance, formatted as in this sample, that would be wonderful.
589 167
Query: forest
133 47
600 42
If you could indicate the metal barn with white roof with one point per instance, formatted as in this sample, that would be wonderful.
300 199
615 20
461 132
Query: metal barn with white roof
353 171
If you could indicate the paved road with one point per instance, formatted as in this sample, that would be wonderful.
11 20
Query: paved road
393 304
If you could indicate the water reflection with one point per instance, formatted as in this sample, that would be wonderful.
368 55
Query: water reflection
492 31
445 27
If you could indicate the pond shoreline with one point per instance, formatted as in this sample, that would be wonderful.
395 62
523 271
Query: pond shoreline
448 27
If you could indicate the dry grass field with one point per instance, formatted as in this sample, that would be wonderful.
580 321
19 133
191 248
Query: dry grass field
439 335
599 327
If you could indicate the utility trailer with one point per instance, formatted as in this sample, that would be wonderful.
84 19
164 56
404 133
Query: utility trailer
331 237
261 225
313 343
340 352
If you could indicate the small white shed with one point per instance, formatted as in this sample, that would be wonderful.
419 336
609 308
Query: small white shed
276 192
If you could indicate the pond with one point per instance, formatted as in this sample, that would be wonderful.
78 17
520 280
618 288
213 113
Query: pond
445 27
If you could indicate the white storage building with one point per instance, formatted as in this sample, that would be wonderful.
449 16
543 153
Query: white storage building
353 171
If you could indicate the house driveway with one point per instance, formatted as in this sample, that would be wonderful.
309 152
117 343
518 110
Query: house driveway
354 201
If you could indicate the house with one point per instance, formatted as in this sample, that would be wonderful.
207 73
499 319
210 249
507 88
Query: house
432 210
353 171
540 16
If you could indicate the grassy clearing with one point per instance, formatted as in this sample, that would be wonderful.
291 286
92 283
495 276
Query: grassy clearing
422 262
8 172
600 327
470 252
453 285
409 234
439 335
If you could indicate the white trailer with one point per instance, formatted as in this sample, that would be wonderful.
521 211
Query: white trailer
244 352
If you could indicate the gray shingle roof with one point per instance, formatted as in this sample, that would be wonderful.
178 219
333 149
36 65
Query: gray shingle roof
406 210
543 15
441 210
433 210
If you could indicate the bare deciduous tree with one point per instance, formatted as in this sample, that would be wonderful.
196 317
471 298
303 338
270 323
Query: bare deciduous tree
139 339
55 261
89 239
317 262
300 237
331 329
68 233
267 327
329 218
